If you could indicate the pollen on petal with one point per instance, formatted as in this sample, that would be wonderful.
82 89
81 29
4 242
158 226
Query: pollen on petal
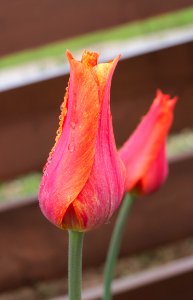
90 58
62 118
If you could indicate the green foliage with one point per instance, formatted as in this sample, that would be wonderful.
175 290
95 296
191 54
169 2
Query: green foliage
21 187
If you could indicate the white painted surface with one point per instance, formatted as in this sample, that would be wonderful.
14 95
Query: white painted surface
50 68
131 282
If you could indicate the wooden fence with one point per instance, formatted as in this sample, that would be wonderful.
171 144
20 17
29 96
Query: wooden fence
31 248
50 20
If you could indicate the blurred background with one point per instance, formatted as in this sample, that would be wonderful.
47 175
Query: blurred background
155 39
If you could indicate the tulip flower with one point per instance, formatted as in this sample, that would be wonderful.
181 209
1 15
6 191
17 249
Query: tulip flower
144 154
84 178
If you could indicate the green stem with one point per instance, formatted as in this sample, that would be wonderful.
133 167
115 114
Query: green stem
75 265
115 245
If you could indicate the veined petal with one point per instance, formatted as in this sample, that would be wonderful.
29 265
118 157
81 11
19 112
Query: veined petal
104 188
144 152
72 158
156 174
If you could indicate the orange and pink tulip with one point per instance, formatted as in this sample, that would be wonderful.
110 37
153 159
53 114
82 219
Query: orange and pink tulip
84 178
144 154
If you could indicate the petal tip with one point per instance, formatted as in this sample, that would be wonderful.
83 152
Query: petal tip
69 55
165 98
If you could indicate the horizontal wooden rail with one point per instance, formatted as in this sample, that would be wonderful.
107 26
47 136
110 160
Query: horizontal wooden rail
32 23
170 281
29 114
32 249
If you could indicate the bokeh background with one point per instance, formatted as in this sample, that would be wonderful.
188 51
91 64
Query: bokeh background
155 39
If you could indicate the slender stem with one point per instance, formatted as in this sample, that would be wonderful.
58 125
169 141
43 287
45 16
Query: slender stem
115 245
75 265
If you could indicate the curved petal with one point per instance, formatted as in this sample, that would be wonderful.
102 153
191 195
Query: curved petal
72 158
142 152
156 173
104 188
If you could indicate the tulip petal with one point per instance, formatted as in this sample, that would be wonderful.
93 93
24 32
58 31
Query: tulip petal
72 158
145 147
104 189
156 173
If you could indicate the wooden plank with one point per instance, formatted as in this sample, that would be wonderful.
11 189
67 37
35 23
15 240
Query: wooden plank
177 287
32 23
29 115
170 281
32 249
